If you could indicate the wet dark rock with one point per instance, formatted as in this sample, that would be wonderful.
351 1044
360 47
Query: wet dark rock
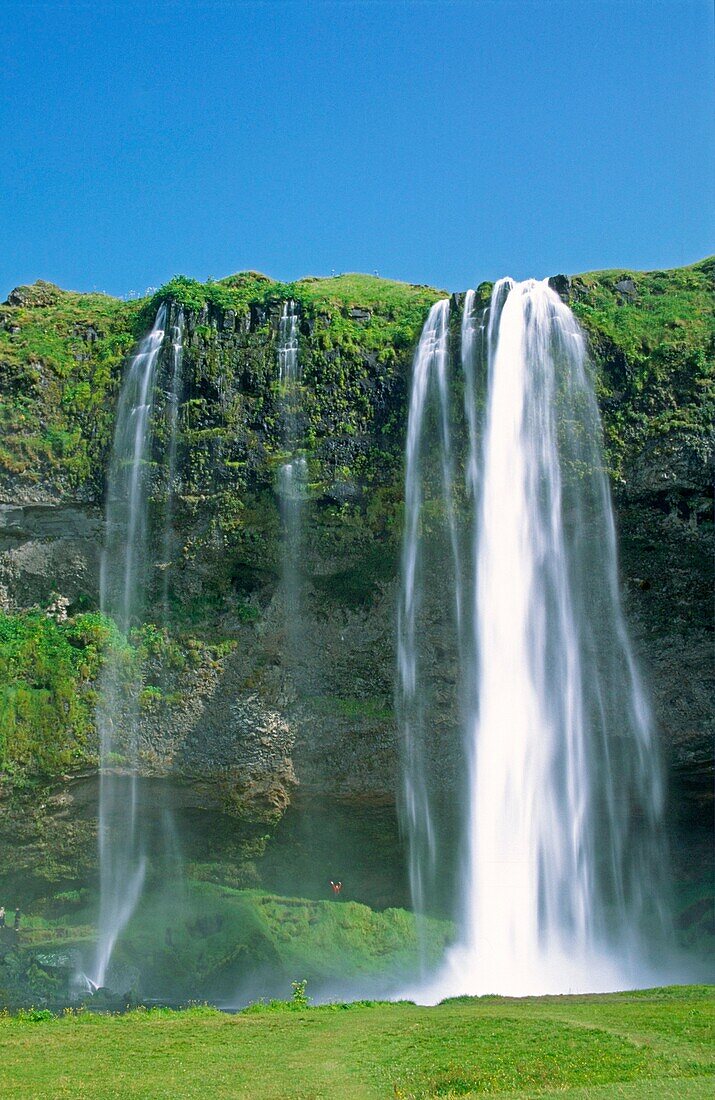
258 317
342 491
45 547
483 294
562 285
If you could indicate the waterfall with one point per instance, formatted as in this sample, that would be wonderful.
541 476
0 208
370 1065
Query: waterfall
124 581
429 388
172 408
288 364
560 879
293 473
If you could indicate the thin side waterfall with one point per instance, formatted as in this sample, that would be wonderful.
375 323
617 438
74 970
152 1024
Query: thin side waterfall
124 577
293 473
288 353
167 846
174 399
430 395
562 878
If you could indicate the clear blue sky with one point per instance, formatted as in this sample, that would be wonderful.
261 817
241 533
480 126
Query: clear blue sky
438 142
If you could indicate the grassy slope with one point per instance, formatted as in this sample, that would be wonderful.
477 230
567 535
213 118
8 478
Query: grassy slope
649 1044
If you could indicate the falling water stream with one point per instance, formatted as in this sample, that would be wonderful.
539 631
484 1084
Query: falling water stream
429 386
123 597
293 473
173 402
560 874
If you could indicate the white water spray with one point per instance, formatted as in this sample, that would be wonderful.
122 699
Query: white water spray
560 882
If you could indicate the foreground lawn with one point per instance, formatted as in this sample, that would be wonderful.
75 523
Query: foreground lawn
655 1044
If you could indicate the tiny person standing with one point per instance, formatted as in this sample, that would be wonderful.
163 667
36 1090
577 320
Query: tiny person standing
2 916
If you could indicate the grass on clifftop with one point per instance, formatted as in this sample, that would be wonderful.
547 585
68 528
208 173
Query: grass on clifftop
61 356
363 304
60 359
654 342
350 312
654 1044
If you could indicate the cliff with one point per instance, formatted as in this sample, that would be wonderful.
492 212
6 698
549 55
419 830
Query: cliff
224 709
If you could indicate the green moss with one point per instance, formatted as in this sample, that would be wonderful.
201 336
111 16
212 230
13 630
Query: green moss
235 292
222 936
61 354
49 678
60 360
47 698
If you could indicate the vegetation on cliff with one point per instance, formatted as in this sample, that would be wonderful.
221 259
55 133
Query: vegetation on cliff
653 339
60 365
48 673
61 357
50 670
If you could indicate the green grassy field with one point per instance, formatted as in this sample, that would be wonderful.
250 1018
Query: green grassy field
656 1043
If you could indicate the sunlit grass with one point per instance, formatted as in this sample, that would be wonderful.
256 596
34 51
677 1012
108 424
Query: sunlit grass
653 1044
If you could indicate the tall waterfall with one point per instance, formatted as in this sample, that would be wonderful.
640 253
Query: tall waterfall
293 473
560 860
124 580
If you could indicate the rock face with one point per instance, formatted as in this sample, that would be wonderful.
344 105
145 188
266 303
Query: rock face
38 294
249 716
44 547
627 287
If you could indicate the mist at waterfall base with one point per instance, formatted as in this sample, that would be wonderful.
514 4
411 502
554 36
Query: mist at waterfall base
539 830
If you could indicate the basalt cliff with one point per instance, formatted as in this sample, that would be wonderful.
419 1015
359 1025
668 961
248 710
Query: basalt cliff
239 722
